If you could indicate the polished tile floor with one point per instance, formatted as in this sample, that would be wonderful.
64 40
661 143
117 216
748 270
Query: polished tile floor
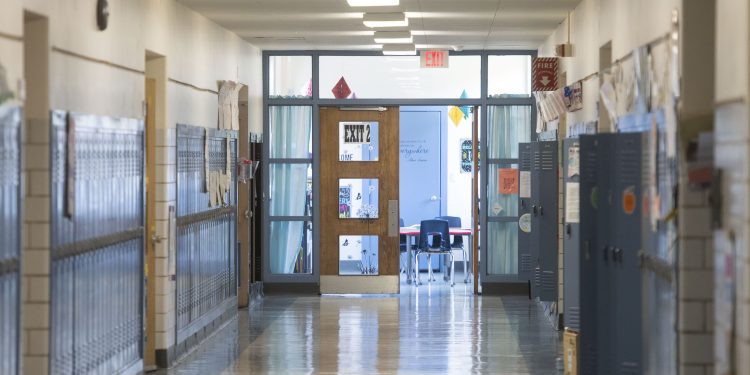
432 329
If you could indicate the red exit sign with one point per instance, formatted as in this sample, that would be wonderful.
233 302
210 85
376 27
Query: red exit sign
434 59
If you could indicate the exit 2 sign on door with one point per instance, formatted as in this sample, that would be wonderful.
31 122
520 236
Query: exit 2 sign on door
434 59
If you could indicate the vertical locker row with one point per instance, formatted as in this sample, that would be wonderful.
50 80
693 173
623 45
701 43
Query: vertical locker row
97 197
544 225
610 242
571 235
10 238
206 236
526 261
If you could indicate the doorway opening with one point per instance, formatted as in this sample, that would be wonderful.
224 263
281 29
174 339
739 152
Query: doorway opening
437 176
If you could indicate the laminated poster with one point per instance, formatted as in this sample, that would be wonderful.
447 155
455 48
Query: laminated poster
525 185
574 160
572 203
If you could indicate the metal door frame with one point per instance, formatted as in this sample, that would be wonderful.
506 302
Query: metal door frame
315 102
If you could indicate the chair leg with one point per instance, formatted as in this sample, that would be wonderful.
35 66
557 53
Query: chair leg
453 269
416 270
430 276
466 268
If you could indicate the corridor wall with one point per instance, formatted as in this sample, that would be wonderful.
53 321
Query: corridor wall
102 73
623 26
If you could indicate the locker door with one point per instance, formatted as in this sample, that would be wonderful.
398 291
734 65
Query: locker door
526 265
588 259
605 298
624 260
536 230
571 236
548 224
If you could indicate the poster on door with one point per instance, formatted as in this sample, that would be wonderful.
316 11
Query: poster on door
507 181
345 202
356 133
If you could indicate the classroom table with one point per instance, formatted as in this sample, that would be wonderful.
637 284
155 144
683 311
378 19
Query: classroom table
411 232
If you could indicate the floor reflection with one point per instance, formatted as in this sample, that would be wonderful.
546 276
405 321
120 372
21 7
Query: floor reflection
427 329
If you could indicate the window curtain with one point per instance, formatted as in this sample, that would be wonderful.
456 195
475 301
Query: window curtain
290 135
507 126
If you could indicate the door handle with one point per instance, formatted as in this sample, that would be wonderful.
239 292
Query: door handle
434 198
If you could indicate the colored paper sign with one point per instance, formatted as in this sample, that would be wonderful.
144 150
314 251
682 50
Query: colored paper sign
629 200
467 153
507 181
573 97
434 59
544 74
341 90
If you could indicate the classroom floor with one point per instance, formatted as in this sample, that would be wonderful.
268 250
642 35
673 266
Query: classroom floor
431 329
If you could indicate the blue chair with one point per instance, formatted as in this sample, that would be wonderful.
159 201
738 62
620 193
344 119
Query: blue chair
440 244
458 241
403 246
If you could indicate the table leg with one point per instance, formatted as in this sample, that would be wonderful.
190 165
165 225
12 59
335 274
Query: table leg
410 262
467 271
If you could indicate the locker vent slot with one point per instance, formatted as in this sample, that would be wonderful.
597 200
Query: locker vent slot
548 159
549 281
574 317
629 164
525 158
525 263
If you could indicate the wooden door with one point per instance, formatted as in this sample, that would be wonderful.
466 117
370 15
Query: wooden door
380 176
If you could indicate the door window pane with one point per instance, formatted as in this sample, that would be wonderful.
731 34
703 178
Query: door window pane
378 77
502 253
509 76
358 198
358 141
358 255
290 247
506 127
290 76
290 131
501 202
291 189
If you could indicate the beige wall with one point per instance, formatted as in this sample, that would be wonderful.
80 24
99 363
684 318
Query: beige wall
102 72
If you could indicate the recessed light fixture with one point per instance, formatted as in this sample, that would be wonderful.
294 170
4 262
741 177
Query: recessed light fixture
372 3
388 37
385 20
400 49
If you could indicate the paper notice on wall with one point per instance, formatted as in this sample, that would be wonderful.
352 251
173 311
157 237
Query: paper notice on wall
572 203
574 160
213 188
507 181
525 185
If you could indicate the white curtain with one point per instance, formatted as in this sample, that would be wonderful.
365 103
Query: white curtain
506 127
290 132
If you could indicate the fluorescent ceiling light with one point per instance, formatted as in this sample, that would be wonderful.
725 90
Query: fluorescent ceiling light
372 3
387 37
385 20
400 49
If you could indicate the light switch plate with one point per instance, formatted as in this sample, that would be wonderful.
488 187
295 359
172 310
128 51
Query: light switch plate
393 222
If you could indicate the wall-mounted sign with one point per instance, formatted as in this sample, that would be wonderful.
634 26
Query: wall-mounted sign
434 59
544 74
467 153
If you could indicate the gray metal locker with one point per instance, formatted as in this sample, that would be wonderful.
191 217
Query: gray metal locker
526 264
544 211
536 231
605 299
571 236
10 238
589 197
624 264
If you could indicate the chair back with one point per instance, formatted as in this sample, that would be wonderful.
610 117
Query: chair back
434 228
454 222
402 238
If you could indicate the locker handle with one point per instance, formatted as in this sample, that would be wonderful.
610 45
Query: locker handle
617 255
533 208
568 230
541 211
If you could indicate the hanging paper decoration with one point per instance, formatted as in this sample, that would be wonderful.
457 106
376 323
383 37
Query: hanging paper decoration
456 115
341 90
308 92
465 109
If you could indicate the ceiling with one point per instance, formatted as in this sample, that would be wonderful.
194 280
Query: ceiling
334 25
